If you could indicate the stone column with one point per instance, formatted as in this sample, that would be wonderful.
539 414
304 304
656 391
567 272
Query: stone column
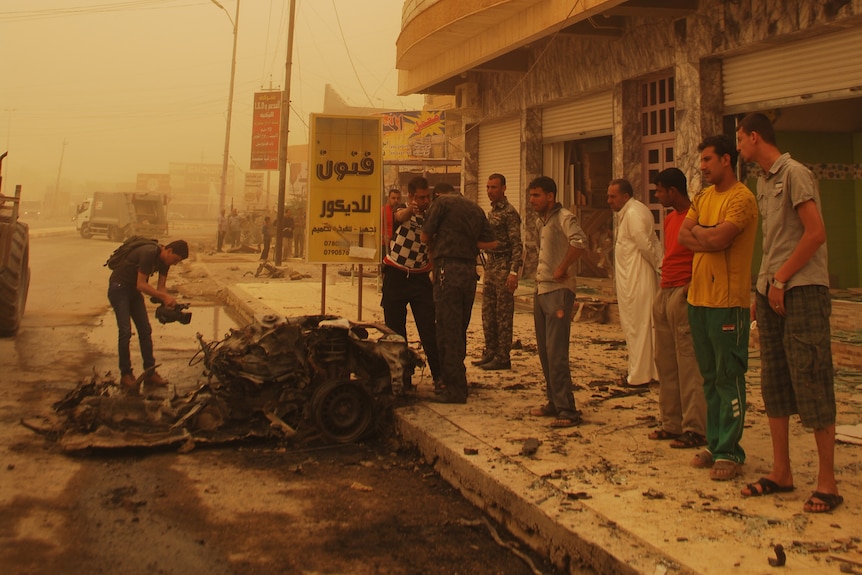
531 160
470 163
699 99
627 147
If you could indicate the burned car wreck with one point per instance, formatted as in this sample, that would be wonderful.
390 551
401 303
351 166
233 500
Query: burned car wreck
292 378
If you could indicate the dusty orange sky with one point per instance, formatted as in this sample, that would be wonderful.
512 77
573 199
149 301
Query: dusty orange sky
118 87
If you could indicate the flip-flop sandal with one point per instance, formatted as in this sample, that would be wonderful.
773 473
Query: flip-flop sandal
623 381
661 435
828 500
764 486
544 411
724 470
702 460
688 440
565 422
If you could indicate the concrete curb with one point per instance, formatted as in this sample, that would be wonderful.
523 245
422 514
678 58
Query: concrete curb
567 531
51 232
235 298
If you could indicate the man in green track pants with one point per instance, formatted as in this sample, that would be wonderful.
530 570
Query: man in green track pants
720 229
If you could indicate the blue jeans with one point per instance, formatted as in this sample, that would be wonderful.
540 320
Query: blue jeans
128 304
552 315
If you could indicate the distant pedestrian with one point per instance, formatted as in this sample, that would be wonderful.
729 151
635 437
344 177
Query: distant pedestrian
561 241
637 257
234 228
500 278
287 230
266 234
222 231
681 403
455 229
792 309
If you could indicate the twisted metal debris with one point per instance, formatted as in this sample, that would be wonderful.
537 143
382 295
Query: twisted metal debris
290 378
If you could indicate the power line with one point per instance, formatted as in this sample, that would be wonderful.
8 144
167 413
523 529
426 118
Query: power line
530 69
121 6
349 57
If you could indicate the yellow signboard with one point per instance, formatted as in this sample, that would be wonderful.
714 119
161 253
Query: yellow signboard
345 179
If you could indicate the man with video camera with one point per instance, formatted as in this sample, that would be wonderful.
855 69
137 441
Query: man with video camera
129 281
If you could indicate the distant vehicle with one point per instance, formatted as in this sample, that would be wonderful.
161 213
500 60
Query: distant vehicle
14 262
30 209
175 216
121 215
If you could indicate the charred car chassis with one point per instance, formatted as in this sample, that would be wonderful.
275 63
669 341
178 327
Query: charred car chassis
292 378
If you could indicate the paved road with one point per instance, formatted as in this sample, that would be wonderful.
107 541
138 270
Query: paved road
244 509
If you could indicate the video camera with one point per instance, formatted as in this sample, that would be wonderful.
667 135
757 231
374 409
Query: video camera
170 315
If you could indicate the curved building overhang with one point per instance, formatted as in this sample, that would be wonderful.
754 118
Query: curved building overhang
442 40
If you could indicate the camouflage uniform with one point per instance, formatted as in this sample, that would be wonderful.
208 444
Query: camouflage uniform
454 225
498 303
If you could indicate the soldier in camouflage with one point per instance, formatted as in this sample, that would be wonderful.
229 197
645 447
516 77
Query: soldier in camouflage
501 277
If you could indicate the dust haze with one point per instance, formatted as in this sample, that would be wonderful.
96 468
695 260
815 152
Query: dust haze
94 92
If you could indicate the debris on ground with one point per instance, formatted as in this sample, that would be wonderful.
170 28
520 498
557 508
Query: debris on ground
780 558
531 445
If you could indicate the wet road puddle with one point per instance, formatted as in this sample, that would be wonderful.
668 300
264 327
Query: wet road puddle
175 344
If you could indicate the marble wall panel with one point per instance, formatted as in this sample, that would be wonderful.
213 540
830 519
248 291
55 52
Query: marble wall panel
531 147
470 163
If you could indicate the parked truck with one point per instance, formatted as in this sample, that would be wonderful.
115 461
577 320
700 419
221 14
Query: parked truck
14 262
121 215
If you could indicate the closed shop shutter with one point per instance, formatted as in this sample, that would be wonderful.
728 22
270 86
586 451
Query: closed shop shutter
500 153
824 68
584 118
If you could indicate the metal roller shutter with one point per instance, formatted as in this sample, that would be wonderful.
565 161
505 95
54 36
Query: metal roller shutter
816 69
584 118
500 152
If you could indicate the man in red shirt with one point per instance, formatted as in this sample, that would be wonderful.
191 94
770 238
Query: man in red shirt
387 216
682 404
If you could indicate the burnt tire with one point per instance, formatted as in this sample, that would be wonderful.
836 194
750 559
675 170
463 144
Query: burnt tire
14 277
342 410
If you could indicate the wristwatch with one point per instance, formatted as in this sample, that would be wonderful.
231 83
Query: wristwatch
777 284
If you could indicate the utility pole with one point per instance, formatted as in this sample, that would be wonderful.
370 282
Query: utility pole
235 23
8 139
51 208
282 139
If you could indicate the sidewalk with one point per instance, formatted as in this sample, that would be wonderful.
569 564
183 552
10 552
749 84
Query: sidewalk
601 494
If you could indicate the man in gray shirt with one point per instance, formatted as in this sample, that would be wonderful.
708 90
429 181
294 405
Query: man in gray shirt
561 243
792 311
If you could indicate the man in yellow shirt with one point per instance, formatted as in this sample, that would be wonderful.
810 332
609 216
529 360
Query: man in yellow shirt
720 229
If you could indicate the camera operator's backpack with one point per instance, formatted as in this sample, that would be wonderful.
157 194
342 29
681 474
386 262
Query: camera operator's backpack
121 253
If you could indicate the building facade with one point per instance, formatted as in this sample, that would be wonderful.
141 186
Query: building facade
585 91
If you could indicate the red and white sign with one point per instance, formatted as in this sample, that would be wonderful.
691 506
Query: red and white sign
265 126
